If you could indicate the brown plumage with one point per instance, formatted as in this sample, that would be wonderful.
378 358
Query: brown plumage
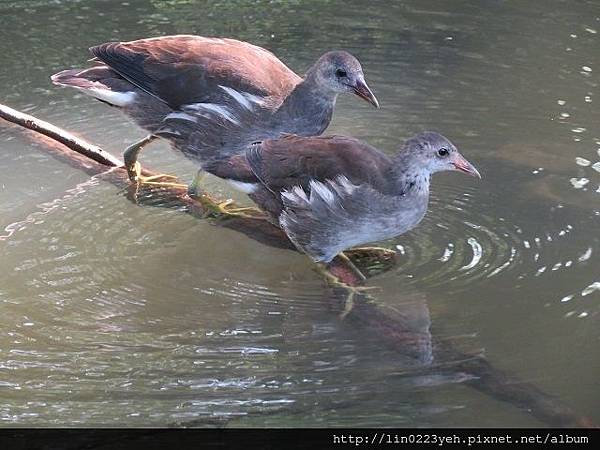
294 161
188 69
213 97
331 193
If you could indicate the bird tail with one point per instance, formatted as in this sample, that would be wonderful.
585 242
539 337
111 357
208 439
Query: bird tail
100 82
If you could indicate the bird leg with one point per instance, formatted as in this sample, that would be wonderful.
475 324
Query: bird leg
220 209
352 266
352 291
134 169
373 260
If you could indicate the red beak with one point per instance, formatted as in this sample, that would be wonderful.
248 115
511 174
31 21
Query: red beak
362 90
460 163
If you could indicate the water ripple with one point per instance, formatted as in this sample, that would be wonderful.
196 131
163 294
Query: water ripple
458 243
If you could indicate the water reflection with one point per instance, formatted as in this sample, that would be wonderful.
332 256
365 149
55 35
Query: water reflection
115 313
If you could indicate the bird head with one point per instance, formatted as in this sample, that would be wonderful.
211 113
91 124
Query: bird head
435 153
340 72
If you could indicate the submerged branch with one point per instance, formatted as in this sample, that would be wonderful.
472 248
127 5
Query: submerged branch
393 327
58 134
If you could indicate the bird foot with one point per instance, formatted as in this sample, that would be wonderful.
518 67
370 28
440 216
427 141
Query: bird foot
352 267
378 252
352 291
372 260
349 300
135 176
222 209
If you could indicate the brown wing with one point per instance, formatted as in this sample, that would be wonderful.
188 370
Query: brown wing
293 161
189 69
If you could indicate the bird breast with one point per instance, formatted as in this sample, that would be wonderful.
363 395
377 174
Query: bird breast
337 215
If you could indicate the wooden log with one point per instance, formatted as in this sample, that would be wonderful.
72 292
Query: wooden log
393 326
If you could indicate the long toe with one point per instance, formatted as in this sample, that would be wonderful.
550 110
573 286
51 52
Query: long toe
381 252
247 212
247 209
351 265
133 171
135 175
223 209
161 176
165 184
224 204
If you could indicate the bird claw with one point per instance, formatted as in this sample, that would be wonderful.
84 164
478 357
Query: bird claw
348 305
372 260
349 301
352 291
379 252
222 210
135 176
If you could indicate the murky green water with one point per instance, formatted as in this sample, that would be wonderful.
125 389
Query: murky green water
117 314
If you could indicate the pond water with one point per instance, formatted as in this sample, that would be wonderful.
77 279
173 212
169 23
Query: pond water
112 313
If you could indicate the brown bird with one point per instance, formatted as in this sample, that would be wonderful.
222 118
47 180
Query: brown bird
331 193
213 97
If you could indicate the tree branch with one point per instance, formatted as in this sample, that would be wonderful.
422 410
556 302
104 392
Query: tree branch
395 327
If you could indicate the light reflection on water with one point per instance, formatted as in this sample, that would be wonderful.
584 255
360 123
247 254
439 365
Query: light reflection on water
114 313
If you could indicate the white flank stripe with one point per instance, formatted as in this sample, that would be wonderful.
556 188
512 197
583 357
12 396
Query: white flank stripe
317 188
182 116
170 131
246 188
254 98
345 183
213 108
114 98
296 195
238 97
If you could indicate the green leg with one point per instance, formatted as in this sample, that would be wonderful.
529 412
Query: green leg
130 156
217 208
134 169
380 252
194 188
350 264
352 291
372 259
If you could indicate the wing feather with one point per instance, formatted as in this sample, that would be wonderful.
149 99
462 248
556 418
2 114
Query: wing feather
281 164
187 69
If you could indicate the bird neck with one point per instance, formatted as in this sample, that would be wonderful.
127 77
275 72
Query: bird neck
410 178
307 110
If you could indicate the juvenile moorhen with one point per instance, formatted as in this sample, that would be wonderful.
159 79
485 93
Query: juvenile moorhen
212 97
332 193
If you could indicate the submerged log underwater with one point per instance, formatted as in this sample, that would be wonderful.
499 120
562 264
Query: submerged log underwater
395 327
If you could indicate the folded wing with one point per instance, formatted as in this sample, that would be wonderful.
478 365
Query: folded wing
293 161
186 69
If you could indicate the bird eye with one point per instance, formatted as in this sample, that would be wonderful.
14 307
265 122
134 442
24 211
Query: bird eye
443 152
341 73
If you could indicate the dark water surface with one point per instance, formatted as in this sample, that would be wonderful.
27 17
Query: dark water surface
116 314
